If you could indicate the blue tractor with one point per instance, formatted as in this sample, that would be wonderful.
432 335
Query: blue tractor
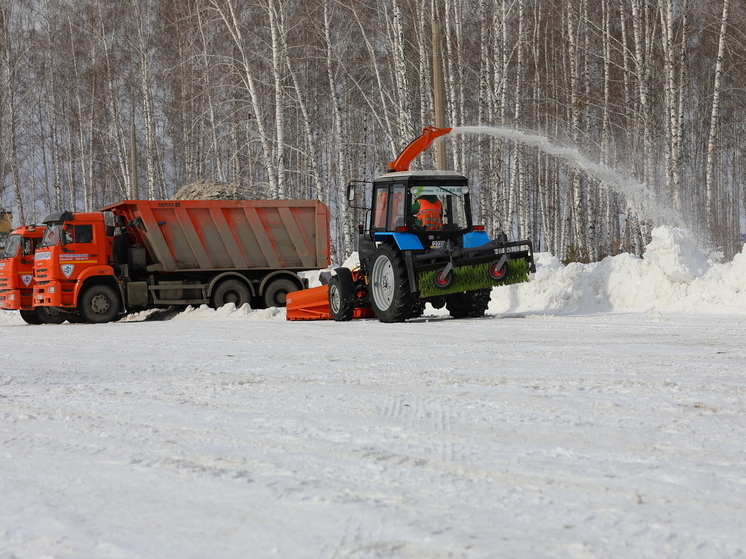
418 245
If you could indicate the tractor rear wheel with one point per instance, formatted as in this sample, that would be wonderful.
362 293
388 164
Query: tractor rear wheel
469 304
341 295
389 286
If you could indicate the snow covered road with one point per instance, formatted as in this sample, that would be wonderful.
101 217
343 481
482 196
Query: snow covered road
220 434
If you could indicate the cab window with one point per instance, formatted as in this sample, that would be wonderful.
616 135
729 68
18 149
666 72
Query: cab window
389 207
11 247
78 233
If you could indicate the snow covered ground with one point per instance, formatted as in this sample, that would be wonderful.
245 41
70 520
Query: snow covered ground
598 411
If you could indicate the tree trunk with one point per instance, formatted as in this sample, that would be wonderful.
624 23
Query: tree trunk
710 186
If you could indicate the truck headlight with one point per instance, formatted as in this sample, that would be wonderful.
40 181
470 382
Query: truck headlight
50 290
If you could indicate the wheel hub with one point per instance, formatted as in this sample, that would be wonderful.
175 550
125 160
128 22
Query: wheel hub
383 283
100 304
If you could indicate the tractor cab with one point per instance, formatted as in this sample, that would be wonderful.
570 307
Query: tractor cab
417 210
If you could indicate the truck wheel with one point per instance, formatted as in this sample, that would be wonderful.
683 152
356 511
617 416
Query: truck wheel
50 315
99 304
74 318
30 317
277 291
389 287
341 295
230 291
470 304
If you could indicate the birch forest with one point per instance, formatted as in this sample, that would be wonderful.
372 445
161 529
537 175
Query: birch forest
293 99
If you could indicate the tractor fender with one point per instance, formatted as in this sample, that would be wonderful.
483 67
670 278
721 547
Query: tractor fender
475 239
402 241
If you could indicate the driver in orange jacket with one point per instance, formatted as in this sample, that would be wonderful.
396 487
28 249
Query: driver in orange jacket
428 213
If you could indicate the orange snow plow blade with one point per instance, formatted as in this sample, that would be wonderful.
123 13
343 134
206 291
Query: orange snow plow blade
309 304
313 304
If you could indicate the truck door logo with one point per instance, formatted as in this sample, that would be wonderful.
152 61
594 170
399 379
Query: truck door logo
26 279
67 269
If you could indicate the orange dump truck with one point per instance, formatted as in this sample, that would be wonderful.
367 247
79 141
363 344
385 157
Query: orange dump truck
143 254
17 276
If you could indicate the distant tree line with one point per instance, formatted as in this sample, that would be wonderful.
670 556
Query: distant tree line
291 98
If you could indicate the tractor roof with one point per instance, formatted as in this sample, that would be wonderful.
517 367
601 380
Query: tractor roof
423 174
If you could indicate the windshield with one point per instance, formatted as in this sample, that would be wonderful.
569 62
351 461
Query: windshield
51 236
13 243
439 208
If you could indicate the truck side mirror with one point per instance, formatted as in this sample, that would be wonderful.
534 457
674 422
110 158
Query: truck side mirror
351 192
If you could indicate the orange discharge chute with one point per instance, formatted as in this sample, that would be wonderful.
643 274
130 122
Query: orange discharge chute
429 135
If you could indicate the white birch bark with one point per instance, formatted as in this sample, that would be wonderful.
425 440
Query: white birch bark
337 156
227 13
401 80
308 130
710 187
278 64
151 149
384 95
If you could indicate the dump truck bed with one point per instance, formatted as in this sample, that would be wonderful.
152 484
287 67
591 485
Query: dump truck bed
229 234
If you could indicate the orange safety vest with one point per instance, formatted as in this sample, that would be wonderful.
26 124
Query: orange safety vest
429 215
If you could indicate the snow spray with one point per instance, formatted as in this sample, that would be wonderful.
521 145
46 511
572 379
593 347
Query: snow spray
636 193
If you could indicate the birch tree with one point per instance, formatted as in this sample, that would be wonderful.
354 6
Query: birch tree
710 188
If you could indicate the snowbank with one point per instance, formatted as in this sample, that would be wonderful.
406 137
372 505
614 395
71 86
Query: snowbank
674 275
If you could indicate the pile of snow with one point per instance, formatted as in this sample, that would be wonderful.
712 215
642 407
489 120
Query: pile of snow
674 275
214 190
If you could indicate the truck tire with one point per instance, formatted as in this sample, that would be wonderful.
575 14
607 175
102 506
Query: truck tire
74 318
389 286
341 295
469 304
230 291
50 315
30 317
275 294
99 304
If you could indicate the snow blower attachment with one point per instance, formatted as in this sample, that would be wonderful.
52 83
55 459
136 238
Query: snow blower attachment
418 246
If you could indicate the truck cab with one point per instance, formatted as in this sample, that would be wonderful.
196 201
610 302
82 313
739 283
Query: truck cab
74 254
17 276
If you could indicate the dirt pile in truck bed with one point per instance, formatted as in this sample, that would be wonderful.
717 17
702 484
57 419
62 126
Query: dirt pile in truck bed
215 190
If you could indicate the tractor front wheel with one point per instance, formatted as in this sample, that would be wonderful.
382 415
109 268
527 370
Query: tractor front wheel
389 287
341 295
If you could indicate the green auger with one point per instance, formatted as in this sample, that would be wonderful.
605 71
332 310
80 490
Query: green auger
470 278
